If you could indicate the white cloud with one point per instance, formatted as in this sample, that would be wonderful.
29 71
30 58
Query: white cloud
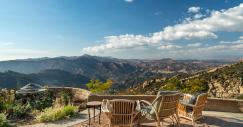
194 9
169 46
198 16
194 45
202 52
232 42
241 37
212 51
238 46
230 20
129 1
120 42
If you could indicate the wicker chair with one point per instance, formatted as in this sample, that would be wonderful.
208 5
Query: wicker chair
192 112
121 112
164 106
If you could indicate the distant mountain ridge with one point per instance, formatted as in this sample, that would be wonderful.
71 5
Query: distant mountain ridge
12 79
124 72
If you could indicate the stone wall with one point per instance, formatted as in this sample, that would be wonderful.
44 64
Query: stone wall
148 98
224 105
213 104
78 94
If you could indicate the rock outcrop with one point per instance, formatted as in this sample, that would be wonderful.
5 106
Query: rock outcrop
224 88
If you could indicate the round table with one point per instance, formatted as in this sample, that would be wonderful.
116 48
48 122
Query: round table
94 105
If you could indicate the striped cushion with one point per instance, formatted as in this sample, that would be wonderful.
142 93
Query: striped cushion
147 112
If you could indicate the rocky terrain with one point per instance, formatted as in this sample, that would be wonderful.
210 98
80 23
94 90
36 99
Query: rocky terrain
223 81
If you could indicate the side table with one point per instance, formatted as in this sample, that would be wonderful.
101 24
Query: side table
94 105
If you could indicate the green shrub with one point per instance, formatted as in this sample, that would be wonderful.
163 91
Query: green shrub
3 120
41 102
21 111
16 111
2 108
69 110
66 97
54 114
194 86
172 84
96 86
191 86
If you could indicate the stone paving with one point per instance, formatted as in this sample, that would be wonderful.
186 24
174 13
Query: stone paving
211 119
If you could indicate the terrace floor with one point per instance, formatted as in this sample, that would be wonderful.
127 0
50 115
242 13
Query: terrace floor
211 119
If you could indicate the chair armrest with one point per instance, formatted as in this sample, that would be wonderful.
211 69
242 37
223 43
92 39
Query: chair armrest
145 102
186 104
138 106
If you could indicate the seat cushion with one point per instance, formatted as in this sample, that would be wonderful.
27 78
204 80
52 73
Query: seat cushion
193 99
147 112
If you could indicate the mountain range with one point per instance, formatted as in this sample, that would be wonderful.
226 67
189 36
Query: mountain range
77 71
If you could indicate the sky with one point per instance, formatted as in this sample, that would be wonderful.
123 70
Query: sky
128 29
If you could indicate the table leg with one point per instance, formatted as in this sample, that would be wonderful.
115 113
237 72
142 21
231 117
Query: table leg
89 115
99 115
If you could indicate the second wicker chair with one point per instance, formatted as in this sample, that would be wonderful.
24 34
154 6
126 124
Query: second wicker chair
164 106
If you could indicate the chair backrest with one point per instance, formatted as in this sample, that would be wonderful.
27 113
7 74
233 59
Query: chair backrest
200 103
166 103
122 111
201 99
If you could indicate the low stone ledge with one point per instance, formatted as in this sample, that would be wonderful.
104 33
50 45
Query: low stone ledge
94 97
213 104
224 105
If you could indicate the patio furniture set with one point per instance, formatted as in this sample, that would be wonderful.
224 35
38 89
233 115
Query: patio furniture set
167 104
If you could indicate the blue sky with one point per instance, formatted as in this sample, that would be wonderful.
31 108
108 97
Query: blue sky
147 29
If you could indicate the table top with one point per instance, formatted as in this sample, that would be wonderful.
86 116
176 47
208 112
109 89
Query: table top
93 104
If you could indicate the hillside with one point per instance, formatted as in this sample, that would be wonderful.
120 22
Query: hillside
223 81
12 79
75 71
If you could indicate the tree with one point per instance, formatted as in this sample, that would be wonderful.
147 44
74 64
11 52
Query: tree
96 86
172 84
190 86
195 85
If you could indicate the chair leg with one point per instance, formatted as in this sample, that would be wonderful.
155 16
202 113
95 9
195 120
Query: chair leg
158 122
193 123
178 120
173 119
139 118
